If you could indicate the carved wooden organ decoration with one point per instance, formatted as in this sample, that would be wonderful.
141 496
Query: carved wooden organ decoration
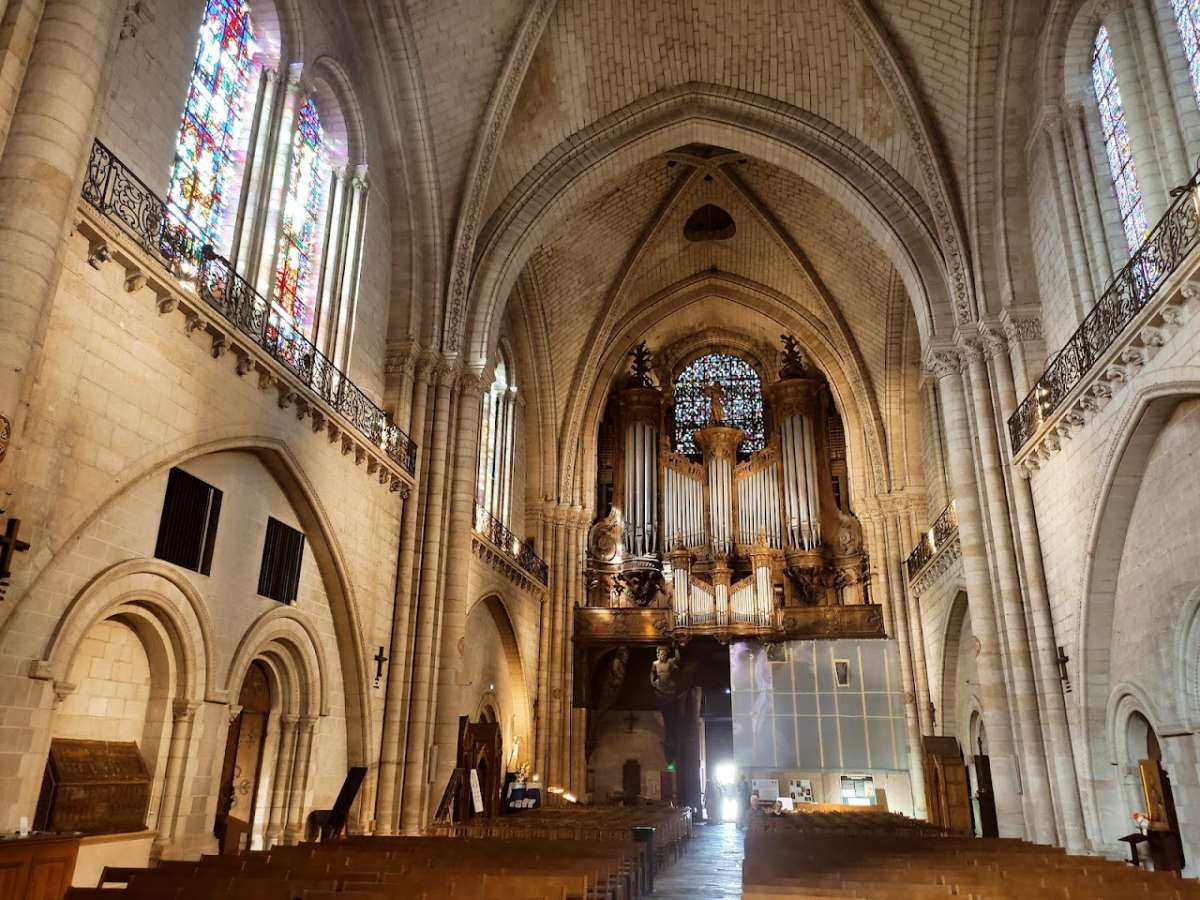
725 503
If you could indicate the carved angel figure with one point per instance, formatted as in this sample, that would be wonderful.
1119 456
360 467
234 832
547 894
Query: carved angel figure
663 671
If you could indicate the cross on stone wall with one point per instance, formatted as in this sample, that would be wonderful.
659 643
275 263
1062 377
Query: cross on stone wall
380 659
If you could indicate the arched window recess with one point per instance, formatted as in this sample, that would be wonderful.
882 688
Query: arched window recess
309 267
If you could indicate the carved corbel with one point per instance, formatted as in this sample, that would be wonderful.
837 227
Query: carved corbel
135 280
1152 337
318 420
167 304
220 344
303 408
347 445
1172 316
1134 356
286 395
98 252
244 363
265 379
372 464
360 454
1115 373
191 323
332 430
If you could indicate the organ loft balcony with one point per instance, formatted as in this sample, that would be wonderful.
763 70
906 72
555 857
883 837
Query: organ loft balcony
727 510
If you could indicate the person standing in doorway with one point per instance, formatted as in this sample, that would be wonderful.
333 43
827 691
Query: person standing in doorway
743 801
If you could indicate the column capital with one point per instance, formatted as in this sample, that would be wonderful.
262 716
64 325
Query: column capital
1021 325
185 710
288 722
942 364
470 382
993 340
402 357
970 351
306 724
445 372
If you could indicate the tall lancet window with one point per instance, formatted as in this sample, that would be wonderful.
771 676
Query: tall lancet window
1116 143
1187 18
294 288
741 396
214 133
494 494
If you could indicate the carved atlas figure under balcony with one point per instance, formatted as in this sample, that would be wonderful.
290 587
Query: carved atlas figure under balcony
726 509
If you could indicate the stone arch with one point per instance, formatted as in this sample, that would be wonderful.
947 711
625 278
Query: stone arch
1135 435
890 209
1126 701
493 605
287 638
950 650
848 384
280 461
1187 663
147 591
335 92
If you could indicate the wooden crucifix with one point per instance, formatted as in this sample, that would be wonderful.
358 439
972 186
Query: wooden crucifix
9 544
380 659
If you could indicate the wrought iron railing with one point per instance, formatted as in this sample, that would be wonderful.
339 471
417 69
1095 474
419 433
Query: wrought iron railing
123 198
932 541
518 550
1170 241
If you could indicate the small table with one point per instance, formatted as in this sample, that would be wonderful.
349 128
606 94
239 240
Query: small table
1133 840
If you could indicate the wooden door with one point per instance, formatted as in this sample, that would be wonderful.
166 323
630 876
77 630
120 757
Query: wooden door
947 794
988 825
631 779
1166 849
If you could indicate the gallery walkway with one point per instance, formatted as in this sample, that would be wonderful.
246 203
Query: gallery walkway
710 869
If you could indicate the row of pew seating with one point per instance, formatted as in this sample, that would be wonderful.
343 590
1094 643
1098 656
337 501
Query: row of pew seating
556 856
847 853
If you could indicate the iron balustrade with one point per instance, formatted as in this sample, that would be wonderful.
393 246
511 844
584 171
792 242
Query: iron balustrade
942 532
518 550
124 199
1174 236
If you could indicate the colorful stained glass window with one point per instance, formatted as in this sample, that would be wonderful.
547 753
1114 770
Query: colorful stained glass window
214 130
1116 143
741 396
300 222
1187 18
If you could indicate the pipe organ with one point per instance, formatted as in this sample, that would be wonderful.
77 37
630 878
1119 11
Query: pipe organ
725 541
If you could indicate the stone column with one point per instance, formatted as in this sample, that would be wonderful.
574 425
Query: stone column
1087 179
569 719
41 170
945 367
294 831
908 540
391 757
1057 734
455 600
285 759
419 732
554 774
1036 781
916 752
541 742
18 27
1078 258
183 716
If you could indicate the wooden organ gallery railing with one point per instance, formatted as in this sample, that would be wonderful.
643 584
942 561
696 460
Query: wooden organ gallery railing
749 547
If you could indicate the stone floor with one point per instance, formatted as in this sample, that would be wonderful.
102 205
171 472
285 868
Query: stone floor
711 869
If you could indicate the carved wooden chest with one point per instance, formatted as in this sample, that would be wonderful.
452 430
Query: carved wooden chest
93 787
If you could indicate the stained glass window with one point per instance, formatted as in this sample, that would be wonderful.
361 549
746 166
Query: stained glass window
1187 17
214 132
1116 142
300 222
741 395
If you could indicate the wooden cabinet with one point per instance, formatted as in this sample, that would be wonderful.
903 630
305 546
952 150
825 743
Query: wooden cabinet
37 867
